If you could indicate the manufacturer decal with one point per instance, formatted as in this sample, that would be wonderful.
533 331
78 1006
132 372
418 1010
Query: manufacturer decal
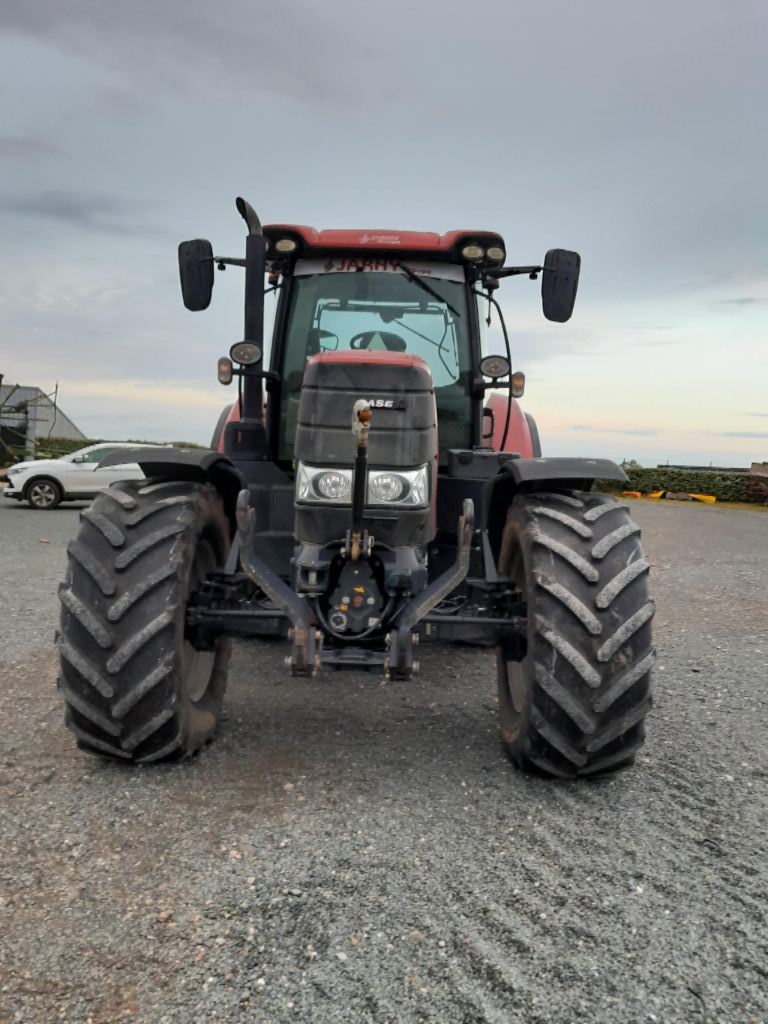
387 403
349 265
378 265
380 239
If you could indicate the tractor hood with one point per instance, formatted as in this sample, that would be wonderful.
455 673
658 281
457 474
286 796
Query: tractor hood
402 446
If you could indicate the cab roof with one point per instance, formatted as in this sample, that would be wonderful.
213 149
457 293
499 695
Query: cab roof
382 240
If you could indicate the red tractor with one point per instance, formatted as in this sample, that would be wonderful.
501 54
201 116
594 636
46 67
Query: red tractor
377 487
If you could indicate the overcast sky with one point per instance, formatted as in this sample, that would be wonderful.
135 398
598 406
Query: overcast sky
634 132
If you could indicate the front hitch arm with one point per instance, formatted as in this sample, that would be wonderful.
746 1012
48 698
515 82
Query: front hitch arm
304 658
400 661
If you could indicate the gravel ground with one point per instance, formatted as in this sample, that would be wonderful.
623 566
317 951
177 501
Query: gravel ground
348 851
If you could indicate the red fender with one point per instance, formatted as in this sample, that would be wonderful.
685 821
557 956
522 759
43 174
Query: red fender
522 436
229 414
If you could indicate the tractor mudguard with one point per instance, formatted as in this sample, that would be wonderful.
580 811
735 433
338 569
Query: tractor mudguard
217 441
520 437
539 474
194 465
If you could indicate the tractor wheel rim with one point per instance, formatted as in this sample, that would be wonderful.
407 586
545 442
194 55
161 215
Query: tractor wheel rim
516 684
198 669
43 495
197 666
516 672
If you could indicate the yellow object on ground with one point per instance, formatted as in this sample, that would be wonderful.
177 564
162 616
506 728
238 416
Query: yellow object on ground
710 499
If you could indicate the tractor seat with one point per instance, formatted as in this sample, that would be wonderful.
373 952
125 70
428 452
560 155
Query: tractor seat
378 341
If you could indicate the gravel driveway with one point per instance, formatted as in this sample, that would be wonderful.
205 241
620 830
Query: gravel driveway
348 851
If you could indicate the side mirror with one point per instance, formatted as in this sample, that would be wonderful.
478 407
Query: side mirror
559 281
79 458
196 273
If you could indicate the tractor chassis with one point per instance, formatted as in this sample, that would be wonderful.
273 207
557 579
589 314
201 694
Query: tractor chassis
255 602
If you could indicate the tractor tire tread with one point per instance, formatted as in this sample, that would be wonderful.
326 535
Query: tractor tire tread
589 658
581 564
132 594
90 622
572 602
567 520
122 621
85 558
145 544
105 526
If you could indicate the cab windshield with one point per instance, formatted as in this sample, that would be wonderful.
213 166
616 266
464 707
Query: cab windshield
373 305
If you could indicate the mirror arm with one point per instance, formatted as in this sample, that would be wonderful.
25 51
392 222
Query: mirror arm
497 272
269 375
227 261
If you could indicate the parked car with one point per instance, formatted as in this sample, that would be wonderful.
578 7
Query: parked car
44 483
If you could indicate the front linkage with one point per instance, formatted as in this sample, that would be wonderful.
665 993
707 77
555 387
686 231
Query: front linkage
258 601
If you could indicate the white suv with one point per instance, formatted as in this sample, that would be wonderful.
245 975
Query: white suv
43 483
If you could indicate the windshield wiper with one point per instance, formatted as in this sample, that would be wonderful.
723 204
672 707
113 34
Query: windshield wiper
417 280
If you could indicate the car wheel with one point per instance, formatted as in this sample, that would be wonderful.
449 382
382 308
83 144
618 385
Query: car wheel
43 494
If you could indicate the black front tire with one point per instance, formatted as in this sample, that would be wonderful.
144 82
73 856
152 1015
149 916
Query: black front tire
135 688
576 702
43 494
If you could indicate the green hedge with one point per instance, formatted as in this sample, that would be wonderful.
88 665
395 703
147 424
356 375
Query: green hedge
724 486
55 447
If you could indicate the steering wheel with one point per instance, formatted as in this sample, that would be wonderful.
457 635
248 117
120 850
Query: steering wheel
391 342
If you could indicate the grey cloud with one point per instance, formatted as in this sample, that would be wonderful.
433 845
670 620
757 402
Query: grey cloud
587 427
755 434
27 147
629 132
292 48
745 300
107 214
762 415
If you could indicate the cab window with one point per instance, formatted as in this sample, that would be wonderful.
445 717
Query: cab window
365 309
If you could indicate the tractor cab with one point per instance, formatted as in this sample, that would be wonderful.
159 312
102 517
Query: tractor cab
371 291
353 304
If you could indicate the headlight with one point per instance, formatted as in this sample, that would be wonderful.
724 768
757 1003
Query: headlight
389 487
473 252
285 245
333 485
316 484
398 487
13 471
385 487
